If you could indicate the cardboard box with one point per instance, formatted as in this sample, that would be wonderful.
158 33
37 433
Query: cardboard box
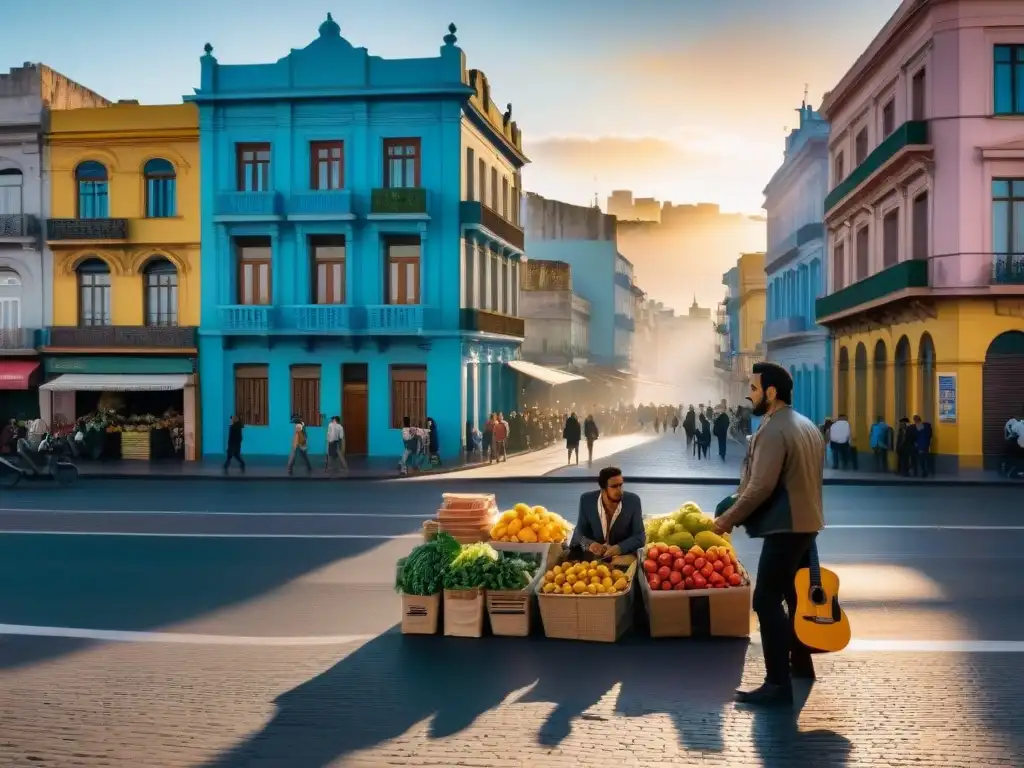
699 612
510 612
464 612
594 618
420 614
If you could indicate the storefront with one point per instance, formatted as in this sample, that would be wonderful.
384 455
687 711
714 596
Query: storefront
133 407
19 380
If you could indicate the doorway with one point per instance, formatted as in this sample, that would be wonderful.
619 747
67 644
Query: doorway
355 407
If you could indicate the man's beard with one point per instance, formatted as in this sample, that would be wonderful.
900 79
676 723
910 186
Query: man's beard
760 409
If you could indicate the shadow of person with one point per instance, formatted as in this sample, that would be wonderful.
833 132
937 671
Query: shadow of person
777 738
379 692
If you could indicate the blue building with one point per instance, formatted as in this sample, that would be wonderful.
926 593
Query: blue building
794 265
360 244
584 238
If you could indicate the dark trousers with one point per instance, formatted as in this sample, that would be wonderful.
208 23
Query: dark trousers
721 446
590 451
782 555
904 460
234 452
920 462
840 455
881 459
702 448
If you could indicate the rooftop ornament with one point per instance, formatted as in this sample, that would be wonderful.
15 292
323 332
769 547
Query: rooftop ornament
330 27
450 38
208 49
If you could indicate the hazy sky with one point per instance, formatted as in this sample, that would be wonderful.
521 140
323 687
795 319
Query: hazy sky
684 100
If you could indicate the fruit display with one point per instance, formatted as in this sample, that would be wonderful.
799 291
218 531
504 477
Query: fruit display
685 528
585 579
668 567
530 525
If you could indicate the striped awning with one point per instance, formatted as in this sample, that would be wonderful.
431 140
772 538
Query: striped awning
117 382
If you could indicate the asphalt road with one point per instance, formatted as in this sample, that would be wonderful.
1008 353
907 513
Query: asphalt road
930 579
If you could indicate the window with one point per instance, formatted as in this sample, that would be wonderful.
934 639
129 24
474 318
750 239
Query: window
860 146
93 190
326 165
468 270
10 300
160 188
1008 221
306 394
93 292
1009 80
408 394
329 269
888 117
504 196
917 86
403 264
493 200
838 266
482 180
470 168
401 163
891 238
253 164
838 169
253 254
10 192
252 394
920 226
161 281
863 255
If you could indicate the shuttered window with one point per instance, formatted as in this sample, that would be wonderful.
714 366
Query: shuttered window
252 394
408 394
891 239
306 394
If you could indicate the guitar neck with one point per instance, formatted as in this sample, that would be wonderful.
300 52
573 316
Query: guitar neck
815 566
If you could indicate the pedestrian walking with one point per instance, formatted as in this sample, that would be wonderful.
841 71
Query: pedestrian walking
571 433
501 431
300 447
839 440
235 443
779 501
704 438
433 443
590 434
720 429
690 426
336 446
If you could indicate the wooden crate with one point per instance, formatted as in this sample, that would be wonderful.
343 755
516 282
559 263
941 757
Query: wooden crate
135 445
511 611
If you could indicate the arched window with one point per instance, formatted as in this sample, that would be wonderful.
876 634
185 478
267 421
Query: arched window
10 195
926 369
881 362
161 190
10 300
860 395
93 190
161 279
902 378
93 292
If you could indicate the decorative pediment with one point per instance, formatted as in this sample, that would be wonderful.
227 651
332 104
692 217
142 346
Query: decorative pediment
1010 150
329 61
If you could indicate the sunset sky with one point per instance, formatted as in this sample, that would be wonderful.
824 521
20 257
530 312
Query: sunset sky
684 100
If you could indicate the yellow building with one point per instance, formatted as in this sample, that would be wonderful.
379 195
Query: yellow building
752 304
124 232
744 312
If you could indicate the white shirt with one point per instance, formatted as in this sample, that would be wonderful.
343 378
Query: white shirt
839 432
335 432
1015 429
606 524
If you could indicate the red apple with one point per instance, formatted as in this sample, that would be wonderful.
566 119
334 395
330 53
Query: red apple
718 565
688 570
650 566
675 577
735 580
679 587
654 580
699 582
664 572
707 570
665 559
678 564
688 581
699 563
689 559
666 585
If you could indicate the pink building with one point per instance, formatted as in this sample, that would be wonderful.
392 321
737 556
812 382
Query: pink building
925 227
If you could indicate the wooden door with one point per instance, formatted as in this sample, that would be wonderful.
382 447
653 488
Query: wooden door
354 416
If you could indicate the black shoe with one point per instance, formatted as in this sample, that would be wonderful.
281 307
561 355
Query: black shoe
768 695
802 669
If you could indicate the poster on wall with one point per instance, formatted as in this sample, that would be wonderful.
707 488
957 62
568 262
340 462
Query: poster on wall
947 398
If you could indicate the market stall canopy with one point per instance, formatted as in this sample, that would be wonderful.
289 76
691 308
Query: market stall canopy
117 382
14 374
550 376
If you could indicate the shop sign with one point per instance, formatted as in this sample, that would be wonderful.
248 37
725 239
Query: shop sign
947 398
114 364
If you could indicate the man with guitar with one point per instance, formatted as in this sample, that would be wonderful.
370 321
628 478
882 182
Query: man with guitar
779 501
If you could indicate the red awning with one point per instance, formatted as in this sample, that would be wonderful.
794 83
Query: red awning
14 374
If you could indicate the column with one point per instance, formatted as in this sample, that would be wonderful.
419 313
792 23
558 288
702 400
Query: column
464 411
488 388
190 419
476 394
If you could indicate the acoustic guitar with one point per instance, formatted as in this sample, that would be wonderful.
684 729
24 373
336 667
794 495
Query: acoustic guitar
820 622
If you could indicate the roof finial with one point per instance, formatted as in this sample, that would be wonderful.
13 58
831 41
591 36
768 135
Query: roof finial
450 38
330 27
208 49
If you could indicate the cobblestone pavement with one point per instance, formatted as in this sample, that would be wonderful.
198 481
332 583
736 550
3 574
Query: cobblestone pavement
497 703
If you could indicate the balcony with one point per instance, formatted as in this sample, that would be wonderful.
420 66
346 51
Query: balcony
492 322
319 318
247 206
18 226
903 276
622 280
913 133
625 322
723 363
19 340
785 326
395 318
334 204
398 201
122 336
86 229
246 319
1008 270
477 214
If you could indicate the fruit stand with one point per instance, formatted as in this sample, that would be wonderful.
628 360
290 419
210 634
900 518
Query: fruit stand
479 567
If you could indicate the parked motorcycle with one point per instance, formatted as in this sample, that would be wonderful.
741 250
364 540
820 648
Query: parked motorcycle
47 463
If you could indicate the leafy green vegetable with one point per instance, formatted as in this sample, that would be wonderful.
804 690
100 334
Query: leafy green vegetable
423 571
478 565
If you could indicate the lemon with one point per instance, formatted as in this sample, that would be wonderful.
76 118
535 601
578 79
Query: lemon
602 571
601 589
619 585
592 589
607 582
591 573
566 589
578 588
549 588
560 579
571 579
557 569
616 574
595 579
549 577
514 539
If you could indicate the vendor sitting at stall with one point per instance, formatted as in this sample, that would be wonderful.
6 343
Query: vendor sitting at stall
611 520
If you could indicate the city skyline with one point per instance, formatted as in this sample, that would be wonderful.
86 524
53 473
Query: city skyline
622 110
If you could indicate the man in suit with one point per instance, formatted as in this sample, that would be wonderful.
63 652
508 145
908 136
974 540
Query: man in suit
611 520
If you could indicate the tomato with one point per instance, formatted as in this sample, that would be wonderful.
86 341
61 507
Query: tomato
718 565
679 587
666 585
689 559
726 560
663 572
665 559
654 551
689 570
723 585
711 553
678 565
688 582
654 580
675 551
699 582
735 579
717 578
707 570
675 577
699 563
650 566
728 571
